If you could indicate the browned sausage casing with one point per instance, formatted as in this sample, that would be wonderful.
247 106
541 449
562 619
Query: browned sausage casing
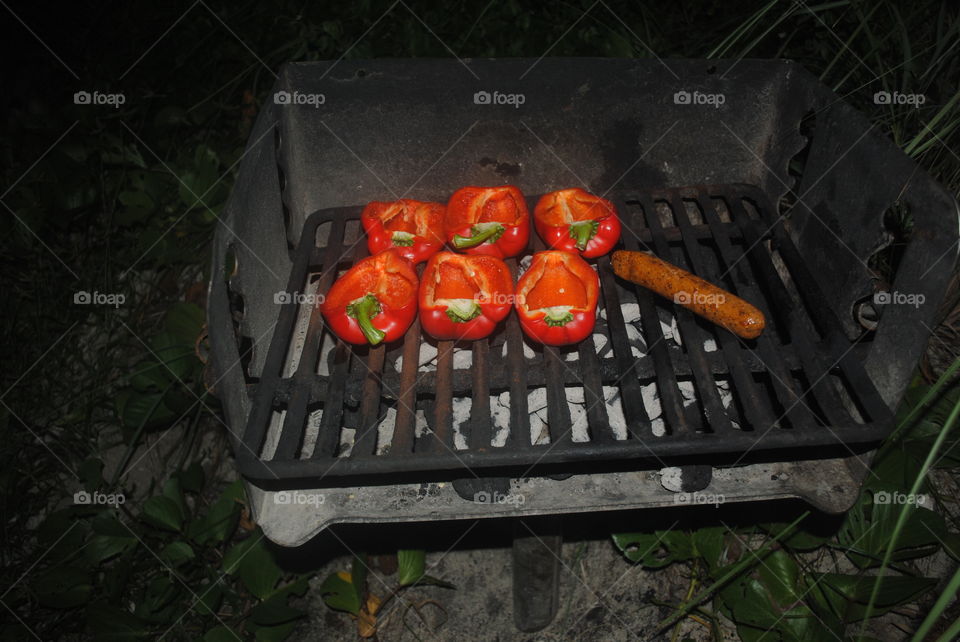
690 291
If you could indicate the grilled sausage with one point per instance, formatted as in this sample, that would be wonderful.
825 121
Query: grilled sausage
690 291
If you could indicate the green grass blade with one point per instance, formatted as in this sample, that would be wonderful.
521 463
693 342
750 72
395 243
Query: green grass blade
928 128
939 606
902 519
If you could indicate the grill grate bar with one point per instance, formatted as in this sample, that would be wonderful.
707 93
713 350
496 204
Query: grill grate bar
630 394
758 413
694 335
558 412
263 404
598 423
517 366
328 435
829 322
800 331
479 425
737 264
403 430
365 440
667 386
442 437
292 432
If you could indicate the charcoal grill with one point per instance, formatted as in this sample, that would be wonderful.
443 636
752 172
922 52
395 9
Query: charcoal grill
781 193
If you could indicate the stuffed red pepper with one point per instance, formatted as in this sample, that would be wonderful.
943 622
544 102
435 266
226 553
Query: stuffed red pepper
488 220
557 298
577 221
374 301
415 228
464 296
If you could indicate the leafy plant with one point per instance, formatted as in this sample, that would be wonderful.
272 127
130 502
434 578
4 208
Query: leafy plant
179 565
781 589
350 591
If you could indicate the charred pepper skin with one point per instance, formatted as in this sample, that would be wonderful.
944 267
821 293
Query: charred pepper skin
488 220
464 297
414 228
575 220
375 301
557 297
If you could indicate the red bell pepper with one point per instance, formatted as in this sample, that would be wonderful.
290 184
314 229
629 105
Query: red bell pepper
488 220
557 298
577 221
374 301
415 228
464 296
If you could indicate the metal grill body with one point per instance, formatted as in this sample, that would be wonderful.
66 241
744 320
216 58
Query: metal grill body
383 434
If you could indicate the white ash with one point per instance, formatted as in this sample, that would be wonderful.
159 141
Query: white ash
630 312
345 446
638 347
618 423
421 427
651 400
299 329
500 411
709 345
326 350
385 430
670 331
658 427
462 358
579 427
310 435
461 414
672 479
528 352
273 433
539 433
427 358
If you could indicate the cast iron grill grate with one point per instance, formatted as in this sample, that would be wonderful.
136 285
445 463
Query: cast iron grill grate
654 382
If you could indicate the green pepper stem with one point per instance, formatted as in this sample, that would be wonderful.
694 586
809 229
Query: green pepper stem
462 310
363 310
558 315
583 231
482 232
402 239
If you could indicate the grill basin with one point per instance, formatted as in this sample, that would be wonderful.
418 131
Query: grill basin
413 128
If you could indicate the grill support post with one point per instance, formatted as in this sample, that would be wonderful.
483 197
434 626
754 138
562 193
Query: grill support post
536 572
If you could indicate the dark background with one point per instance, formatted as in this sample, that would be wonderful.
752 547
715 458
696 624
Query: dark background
92 201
